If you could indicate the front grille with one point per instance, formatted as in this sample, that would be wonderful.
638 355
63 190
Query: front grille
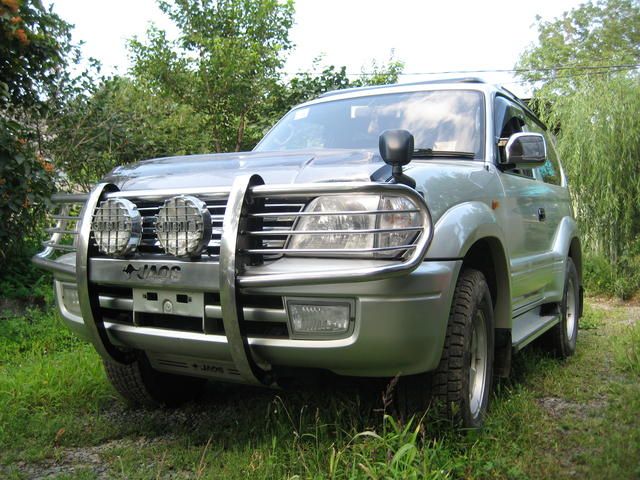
274 223
264 315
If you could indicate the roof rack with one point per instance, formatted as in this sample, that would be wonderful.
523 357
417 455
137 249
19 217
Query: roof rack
423 82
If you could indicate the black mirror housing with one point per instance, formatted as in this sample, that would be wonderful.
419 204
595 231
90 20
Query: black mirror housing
526 150
396 148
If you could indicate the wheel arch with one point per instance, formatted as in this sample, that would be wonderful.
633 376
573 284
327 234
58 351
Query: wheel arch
575 253
488 256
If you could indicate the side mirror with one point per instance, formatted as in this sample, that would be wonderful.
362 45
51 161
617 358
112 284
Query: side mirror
396 149
526 150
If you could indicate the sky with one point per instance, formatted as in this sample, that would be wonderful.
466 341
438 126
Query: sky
428 36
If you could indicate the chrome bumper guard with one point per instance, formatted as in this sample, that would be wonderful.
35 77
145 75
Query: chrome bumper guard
236 247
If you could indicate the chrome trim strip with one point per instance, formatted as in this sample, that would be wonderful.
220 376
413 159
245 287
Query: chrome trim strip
331 232
53 266
55 246
326 251
69 197
88 303
116 303
337 188
324 214
229 267
61 231
250 314
159 195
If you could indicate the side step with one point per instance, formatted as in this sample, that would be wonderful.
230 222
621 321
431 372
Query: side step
529 326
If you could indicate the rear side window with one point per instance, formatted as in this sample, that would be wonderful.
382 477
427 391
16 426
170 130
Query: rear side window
550 171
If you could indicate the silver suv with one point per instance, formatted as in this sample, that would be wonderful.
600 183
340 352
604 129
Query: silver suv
420 231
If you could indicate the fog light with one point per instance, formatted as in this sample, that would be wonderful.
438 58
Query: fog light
70 299
319 319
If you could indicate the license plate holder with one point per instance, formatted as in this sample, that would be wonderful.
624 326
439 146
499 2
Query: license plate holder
168 302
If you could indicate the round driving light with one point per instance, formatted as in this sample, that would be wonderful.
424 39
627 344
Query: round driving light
183 226
117 227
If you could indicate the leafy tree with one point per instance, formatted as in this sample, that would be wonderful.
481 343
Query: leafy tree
224 64
121 122
600 144
582 44
595 109
34 54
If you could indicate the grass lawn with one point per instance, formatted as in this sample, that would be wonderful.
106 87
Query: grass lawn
59 418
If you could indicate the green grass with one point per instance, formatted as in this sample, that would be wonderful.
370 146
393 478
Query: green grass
552 419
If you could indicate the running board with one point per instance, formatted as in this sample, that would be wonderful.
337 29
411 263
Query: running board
529 326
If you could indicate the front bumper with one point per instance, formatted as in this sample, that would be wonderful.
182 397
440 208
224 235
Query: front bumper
400 307
399 328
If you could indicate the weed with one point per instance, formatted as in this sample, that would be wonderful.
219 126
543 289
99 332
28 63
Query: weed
551 419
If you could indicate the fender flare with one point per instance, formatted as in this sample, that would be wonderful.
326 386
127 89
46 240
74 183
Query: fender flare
459 230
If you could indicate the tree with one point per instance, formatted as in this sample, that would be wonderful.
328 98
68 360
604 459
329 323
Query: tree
224 64
35 52
590 41
121 122
595 110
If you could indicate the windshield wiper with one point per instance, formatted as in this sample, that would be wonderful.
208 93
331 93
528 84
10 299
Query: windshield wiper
430 153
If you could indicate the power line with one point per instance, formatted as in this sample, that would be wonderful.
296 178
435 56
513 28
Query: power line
513 70
561 77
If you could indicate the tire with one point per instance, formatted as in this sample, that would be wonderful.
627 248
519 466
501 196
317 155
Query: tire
456 391
141 385
562 338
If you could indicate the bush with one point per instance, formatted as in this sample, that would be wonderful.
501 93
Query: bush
602 277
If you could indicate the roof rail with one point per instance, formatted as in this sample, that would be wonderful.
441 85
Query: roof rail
423 82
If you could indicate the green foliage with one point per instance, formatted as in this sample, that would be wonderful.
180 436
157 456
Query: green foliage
627 350
223 65
603 277
22 280
121 122
25 185
57 408
599 143
595 34
35 52
596 111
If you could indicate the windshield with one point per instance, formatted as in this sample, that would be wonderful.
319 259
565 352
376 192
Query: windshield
447 121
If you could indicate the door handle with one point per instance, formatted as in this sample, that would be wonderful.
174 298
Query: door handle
542 215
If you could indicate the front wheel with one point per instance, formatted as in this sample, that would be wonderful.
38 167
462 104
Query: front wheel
461 385
141 385
463 380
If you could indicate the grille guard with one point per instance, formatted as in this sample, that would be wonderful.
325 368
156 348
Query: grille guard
234 250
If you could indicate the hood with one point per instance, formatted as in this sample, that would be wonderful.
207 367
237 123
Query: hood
213 170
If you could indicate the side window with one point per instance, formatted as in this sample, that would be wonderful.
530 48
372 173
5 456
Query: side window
509 119
550 171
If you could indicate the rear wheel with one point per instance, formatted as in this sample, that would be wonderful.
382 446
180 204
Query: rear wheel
562 338
142 385
461 385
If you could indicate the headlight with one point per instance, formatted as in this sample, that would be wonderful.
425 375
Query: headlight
358 225
183 226
117 227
